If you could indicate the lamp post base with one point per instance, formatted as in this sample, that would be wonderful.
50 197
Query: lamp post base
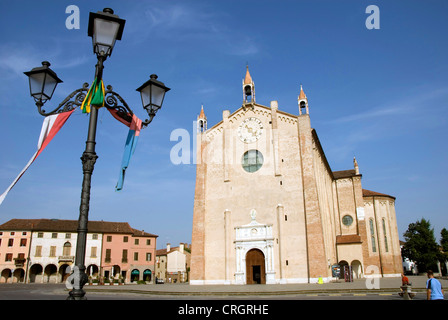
77 294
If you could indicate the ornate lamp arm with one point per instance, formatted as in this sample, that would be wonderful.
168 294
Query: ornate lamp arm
148 121
72 101
113 100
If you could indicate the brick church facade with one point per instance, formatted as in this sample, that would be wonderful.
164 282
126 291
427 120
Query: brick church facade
269 209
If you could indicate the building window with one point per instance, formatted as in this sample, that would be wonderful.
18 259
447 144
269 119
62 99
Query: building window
124 257
10 242
136 242
108 254
125 239
148 256
148 242
13 233
8 257
24 233
95 236
135 256
93 252
109 239
68 236
38 252
53 251
67 249
54 235
372 235
40 234
23 242
385 235
252 160
347 220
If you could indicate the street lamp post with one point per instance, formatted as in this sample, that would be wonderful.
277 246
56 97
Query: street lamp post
104 28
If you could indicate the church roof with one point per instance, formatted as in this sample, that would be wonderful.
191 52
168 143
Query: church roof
368 193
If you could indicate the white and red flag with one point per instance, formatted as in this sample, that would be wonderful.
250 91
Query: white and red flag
52 124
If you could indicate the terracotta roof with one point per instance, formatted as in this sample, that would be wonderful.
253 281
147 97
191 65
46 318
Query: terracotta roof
142 233
302 94
202 114
163 252
368 193
248 78
349 238
67 226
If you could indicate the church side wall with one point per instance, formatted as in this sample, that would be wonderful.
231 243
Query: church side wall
326 204
197 275
317 261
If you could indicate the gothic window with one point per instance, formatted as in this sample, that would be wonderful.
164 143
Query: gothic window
385 235
252 160
372 235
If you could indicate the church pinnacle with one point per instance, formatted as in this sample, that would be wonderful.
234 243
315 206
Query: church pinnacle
202 121
355 165
303 102
248 88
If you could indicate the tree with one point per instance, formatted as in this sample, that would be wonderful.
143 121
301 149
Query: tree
421 245
444 243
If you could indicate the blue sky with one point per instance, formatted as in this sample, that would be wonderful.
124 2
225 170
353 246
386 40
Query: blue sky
380 95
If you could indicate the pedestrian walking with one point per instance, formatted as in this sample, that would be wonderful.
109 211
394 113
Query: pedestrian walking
405 280
434 290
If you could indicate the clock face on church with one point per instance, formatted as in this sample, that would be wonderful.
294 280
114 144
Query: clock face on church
250 130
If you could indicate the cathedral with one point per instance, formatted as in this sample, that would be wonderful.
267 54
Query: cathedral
268 208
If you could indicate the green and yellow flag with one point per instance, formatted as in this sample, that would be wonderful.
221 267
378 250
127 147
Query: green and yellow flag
94 97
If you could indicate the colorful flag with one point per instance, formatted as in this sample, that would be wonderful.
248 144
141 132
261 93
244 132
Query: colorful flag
129 148
50 127
94 97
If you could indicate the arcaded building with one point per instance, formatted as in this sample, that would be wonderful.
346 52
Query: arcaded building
269 209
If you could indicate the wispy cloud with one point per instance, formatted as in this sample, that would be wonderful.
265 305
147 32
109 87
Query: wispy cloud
384 111
383 122
17 58
187 22
404 106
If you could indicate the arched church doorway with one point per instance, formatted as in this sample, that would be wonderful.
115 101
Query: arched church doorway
255 270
